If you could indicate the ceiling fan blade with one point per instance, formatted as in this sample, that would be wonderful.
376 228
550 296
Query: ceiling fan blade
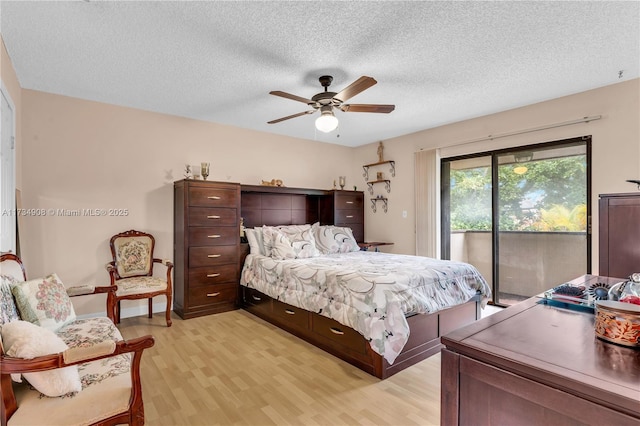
290 96
367 108
277 120
356 87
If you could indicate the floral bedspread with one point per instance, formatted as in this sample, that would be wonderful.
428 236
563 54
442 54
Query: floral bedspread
367 291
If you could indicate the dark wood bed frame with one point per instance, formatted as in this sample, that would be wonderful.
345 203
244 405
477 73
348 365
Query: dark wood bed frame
288 206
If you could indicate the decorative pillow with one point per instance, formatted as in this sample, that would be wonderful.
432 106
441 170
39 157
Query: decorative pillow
334 239
256 242
25 340
44 302
286 229
280 245
299 238
133 256
303 242
8 309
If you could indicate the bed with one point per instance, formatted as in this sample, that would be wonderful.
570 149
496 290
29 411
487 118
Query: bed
315 298
369 292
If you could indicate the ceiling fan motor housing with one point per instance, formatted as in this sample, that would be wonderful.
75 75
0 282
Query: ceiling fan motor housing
324 98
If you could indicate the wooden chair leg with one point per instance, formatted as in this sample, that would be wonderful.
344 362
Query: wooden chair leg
150 307
118 312
168 313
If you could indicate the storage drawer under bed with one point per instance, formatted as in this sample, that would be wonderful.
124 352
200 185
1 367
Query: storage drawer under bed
338 333
293 316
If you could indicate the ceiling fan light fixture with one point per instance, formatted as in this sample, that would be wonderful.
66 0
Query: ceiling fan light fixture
327 122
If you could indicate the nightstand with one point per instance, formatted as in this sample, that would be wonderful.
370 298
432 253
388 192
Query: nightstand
374 244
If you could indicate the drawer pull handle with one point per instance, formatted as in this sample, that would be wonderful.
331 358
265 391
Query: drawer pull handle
213 236
212 275
336 331
213 255
289 311
349 202
256 298
215 216
213 197
213 294
349 216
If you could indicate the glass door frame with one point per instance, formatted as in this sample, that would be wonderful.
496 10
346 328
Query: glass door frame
445 222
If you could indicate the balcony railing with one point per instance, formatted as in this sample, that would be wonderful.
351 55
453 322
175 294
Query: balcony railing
530 262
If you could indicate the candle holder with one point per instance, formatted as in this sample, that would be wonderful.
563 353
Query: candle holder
204 169
342 181
195 171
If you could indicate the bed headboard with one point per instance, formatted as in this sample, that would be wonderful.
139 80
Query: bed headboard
272 205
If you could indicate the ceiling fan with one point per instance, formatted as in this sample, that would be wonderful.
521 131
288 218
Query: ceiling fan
326 101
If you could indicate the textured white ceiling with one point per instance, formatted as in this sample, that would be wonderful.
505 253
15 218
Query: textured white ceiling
438 62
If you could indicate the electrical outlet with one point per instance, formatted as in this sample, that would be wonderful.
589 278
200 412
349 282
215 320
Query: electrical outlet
404 214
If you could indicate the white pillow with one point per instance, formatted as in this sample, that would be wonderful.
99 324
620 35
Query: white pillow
23 339
44 302
254 238
332 239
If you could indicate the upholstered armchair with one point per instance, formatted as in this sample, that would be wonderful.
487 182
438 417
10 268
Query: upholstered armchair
131 270
79 371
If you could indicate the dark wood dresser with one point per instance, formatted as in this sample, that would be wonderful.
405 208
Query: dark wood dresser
344 208
535 364
619 234
206 247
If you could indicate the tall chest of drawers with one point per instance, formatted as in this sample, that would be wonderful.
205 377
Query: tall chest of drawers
206 247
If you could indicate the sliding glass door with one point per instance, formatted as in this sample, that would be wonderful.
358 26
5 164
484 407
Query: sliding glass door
521 216
467 212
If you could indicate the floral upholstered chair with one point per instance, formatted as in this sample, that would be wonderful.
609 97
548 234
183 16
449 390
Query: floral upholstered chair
132 271
57 369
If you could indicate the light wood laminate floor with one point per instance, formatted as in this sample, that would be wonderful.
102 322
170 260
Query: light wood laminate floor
235 369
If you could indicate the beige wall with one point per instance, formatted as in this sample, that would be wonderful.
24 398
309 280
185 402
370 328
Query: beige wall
616 151
85 155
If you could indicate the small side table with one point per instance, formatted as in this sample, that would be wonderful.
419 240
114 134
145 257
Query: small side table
365 246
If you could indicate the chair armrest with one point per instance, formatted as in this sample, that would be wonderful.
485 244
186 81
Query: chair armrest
169 265
105 289
83 353
165 262
10 365
83 290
